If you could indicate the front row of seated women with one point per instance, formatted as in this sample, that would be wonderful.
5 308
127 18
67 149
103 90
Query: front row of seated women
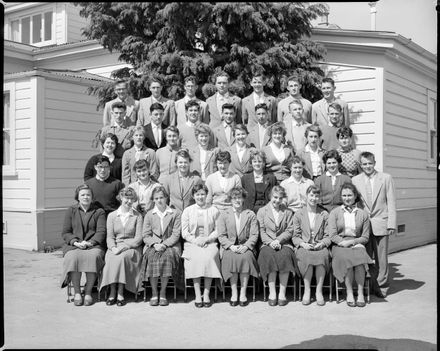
297 243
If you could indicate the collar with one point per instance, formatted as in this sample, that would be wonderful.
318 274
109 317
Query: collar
296 123
226 125
225 96
120 213
327 173
153 99
146 185
157 211
155 126
372 174
139 148
291 179
190 124
224 176
351 209
186 98
241 148
258 96
340 149
258 176
307 148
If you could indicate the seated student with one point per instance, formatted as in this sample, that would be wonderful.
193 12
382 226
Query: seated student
349 229
143 187
223 135
166 155
240 152
124 252
155 130
200 251
294 88
121 127
312 153
276 256
258 184
349 155
138 152
187 129
105 188
204 155
329 138
320 107
179 185
258 96
190 86
220 183
161 234
296 185
238 233
108 142
311 240
296 126
259 133
331 181
84 244
122 95
278 154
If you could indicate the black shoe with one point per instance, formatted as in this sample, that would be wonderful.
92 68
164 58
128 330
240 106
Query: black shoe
207 304
351 303
282 302
233 303
244 303
163 302
121 302
360 304
110 302
198 304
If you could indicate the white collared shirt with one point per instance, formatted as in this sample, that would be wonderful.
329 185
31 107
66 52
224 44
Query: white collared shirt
328 174
276 215
223 180
110 157
237 220
161 215
259 99
124 215
350 221
312 218
315 159
228 132
258 178
371 179
157 132
190 124
261 133
240 152
154 100
278 152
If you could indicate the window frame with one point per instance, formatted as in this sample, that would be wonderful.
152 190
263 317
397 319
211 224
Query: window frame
30 14
432 99
10 170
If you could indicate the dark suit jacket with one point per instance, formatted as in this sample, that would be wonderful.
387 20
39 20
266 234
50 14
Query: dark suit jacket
248 183
331 197
149 137
302 232
94 231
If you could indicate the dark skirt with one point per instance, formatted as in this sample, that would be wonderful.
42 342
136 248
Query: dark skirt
270 260
345 258
77 260
232 262
161 264
306 258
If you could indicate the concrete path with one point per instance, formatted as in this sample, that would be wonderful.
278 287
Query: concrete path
36 314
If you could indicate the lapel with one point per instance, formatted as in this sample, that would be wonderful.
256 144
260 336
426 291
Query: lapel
307 230
378 183
269 215
251 103
166 222
318 222
209 155
362 189
265 181
189 184
286 153
323 111
231 224
149 133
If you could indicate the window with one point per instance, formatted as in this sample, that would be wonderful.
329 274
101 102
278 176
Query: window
432 128
33 29
8 166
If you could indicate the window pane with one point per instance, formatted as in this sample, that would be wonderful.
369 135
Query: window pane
6 149
15 30
435 115
36 29
26 30
6 130
6 108
433 141
48 26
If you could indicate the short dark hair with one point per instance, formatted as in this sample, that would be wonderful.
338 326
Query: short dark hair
237 191
141 164
344 132
101 159
313 189
367 154
328 80
241 127
297 159
119 104
159 189
277 126
173 129
223 156
313 128
197 187
262 105
190 79
156 106
127 192
222 74
293 78
111 136
82 187
120 81
353 188
184 153
331 154
154 80
192 103
336 106
228 106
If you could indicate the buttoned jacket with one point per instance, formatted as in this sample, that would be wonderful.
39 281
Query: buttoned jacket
305 156
240 167
210 164
149 140
320 112
248 183
189 223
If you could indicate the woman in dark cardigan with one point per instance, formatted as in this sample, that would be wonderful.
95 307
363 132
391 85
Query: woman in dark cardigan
84 234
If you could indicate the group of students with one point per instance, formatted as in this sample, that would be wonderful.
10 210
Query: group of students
247 188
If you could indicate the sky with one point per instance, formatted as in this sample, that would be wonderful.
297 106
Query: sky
413 19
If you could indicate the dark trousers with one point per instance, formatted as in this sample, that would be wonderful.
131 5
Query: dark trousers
377 248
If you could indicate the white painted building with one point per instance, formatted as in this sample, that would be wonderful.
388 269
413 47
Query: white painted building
388 81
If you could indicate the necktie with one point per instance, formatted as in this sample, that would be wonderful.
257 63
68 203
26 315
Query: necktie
369 190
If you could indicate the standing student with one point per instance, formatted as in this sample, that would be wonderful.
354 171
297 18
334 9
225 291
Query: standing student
259 133
155 130
258 96
223 133
166 155
205 153
294 87
312 153
349 155
122 95
296 125
169 118
190 86
222 96
329 138
378 196
320 107
240 151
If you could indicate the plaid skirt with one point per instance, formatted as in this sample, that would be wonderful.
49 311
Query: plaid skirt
344 258
271 260
161 264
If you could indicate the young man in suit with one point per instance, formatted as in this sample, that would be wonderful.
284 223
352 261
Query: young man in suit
258 97
122 95
258 135
155 87
121 127
222 96
320 107
155 130
296 126
294 87
223 134
378 196
190 87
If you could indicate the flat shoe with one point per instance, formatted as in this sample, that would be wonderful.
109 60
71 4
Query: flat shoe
163 302
78 302
207 304
233 303
351 303
244 303
360 304
282 302
110 302
120 302
154 301
320 302
272 302
88 301
198 304
306 302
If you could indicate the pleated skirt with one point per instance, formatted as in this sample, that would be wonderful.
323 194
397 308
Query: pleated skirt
232 262
123 268
345 258
201 261
307 258
161 264
77 260
270 260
